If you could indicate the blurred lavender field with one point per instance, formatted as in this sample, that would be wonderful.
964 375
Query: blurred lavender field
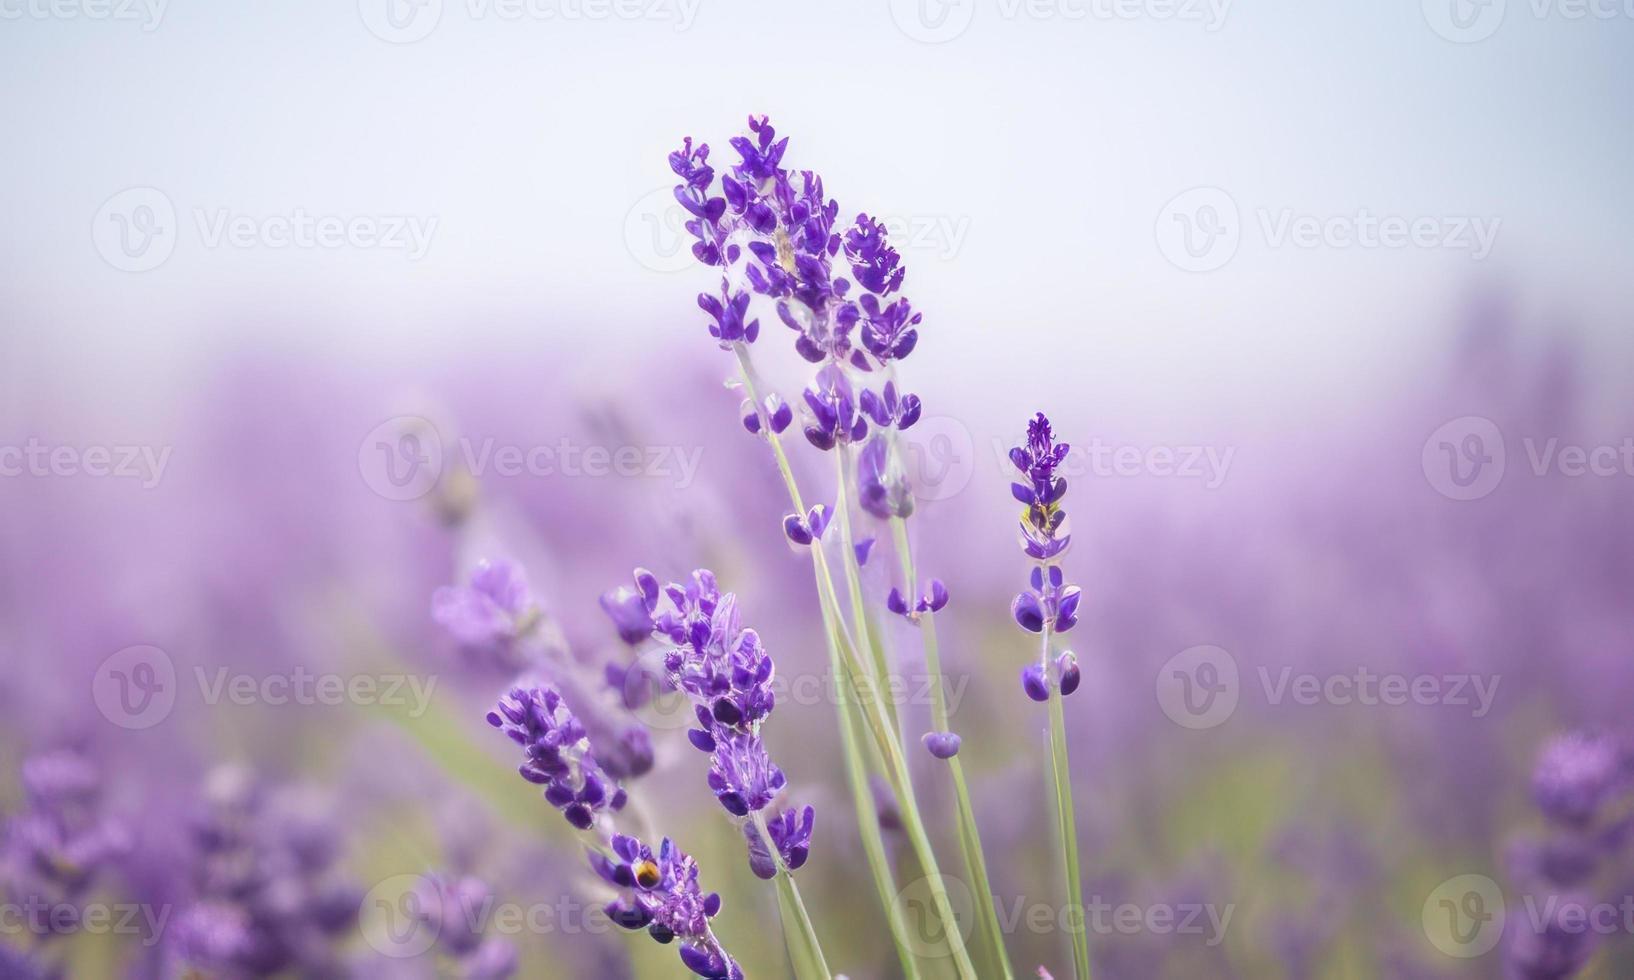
335 414
159 638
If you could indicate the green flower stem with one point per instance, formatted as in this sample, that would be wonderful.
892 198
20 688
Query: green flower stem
896 767
873 842
853 579
970 840
1064 819
793 907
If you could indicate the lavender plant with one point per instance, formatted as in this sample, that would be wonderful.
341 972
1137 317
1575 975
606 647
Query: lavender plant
1049 608
773 233
661 892
1576 784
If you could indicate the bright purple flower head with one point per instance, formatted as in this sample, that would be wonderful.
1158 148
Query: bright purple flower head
832 415
882 489
790 834
742 775
660 893
558 754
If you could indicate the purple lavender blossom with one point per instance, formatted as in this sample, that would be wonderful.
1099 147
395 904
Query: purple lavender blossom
490 613
934 599
558 754
55 848
661 894
1575 774
454 909
888 409
882 489
1050 602
724 669
266 899
943 745
742 775
790 834
832 415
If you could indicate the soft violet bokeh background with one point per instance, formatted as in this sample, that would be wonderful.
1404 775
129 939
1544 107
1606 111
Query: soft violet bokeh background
1035 167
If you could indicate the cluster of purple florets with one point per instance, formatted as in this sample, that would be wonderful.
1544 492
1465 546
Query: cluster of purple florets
724 669
1050 603
557 754
773 232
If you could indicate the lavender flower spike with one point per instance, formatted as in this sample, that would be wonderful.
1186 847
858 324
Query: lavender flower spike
724 668
558 754
660 892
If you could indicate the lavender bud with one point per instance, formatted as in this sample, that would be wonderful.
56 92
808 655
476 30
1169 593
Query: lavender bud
943 745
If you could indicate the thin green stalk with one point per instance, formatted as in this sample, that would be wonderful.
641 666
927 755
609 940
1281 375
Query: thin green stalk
896 768
1065 822
873 843
794 907
970 841
853 578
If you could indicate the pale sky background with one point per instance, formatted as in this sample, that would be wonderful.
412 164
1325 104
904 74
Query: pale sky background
1032 156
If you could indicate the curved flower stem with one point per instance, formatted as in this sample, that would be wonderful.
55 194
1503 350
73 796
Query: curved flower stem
873 842
1064 820
970 840
793 906
896 766
853 578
